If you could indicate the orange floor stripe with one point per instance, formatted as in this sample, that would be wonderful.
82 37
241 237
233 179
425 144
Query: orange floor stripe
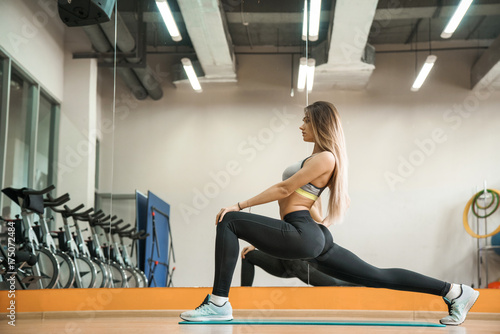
264 298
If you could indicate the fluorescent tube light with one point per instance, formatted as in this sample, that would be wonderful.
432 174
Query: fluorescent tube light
314 17
424 72
193 79
304 22
167 16
311 65
301 81
452 25
306 74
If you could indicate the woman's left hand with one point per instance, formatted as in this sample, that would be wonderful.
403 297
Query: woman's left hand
223 211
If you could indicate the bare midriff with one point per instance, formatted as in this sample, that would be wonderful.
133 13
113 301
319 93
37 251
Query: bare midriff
294 202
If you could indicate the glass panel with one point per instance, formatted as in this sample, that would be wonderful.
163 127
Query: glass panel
18 137
97 163
1 80
43 144
5 209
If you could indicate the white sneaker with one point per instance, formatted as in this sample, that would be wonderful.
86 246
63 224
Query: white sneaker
208 311
458 307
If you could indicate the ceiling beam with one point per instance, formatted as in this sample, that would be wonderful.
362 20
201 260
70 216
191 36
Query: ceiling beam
408 13
476 27
272 18
413 31
486 71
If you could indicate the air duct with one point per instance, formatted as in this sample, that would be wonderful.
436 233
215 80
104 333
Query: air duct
101 44
351 59
126 43
207 28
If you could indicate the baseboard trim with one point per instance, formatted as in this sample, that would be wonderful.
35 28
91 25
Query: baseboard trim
268 299
310 314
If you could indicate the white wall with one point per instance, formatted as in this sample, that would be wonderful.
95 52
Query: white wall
32 33
180 148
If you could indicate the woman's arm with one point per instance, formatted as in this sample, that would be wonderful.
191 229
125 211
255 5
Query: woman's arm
318 165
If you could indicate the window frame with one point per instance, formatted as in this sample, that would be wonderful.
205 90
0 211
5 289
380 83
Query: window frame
36 90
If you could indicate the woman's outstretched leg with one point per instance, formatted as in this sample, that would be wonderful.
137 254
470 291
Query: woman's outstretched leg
343 264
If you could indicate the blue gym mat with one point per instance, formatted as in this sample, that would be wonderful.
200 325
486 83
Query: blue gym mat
315 323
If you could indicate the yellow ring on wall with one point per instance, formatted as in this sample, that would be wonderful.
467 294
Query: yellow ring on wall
466 221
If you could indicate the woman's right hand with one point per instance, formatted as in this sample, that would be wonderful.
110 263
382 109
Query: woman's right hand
246 250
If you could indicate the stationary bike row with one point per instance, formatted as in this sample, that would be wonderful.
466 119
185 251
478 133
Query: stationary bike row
114 253
112 269
49 266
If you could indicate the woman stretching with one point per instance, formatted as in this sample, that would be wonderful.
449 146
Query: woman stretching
298 236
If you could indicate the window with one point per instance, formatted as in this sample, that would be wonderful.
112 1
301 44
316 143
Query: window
18 132
29 133
43 152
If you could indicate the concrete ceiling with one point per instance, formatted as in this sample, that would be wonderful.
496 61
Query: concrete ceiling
215 30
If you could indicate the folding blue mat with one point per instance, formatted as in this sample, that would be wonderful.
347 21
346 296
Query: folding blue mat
315 323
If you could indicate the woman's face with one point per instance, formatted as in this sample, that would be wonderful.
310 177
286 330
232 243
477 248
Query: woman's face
306 128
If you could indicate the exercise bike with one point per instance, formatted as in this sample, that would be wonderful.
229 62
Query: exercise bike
43 274
86 270
67 270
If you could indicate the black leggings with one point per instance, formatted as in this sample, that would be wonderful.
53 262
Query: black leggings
298 236
285 269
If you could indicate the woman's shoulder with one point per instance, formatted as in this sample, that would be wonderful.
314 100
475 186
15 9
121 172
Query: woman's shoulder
325 156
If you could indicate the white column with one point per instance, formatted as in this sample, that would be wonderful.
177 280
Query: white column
76 172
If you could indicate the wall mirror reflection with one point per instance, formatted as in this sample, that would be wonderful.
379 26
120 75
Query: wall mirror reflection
128 127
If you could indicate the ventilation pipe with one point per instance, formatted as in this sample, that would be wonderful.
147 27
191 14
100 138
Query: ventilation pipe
101 44
351 60
126 43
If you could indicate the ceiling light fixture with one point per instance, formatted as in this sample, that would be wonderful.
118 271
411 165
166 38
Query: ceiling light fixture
314 17
168 18
452 25
306 74
301 81
424 72
193 79
311 66
304 22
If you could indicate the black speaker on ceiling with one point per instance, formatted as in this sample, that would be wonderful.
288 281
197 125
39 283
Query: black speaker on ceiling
76 13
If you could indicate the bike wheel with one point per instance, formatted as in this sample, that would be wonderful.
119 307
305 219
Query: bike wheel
133 279
44 273
144 278
143 281
67 270
102 274
86 271
118 275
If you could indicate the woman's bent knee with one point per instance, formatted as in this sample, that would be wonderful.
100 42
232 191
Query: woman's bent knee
228 220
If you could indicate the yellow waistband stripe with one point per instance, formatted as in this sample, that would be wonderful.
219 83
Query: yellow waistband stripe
306 194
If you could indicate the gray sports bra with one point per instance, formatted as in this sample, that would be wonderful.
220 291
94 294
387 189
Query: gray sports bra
309 190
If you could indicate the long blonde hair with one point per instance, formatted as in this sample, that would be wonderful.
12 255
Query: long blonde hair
329 135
